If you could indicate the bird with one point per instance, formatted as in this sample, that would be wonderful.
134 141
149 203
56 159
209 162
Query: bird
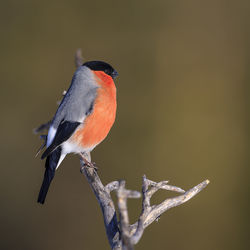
83 118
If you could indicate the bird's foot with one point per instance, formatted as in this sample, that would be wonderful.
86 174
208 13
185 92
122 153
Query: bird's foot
89 164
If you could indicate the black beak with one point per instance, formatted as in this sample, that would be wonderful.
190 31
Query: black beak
114 74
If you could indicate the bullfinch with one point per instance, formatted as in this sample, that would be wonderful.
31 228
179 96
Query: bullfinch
83 118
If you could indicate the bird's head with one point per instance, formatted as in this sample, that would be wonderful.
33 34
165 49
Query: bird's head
101 66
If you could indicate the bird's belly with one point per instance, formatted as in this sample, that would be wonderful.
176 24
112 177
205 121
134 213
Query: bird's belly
71 146
98 124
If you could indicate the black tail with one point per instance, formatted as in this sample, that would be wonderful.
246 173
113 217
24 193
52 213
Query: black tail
50 165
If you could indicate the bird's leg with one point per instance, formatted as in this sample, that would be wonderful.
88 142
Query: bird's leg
88 162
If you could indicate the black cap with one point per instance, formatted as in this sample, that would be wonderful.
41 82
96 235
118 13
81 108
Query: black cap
101 66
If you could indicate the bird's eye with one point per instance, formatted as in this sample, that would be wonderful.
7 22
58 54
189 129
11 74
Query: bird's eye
106 71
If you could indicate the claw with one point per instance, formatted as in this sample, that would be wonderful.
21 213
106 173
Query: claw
89 164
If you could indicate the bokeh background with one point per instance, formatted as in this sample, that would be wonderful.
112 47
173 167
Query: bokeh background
183 116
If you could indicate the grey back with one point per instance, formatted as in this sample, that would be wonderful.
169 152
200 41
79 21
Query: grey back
79 98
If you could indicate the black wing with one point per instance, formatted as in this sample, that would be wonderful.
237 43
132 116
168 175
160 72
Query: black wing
50 165
63 133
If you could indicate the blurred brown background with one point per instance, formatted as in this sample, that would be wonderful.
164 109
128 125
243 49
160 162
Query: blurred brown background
183 116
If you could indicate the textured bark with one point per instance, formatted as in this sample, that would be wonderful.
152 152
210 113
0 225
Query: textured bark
122 235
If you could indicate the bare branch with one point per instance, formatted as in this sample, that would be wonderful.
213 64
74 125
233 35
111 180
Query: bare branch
176 201
156 211
42 127
163 185
106 203
114 185
78 58
122 195
145 210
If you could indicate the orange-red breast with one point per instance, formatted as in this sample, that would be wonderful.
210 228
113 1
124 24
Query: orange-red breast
83 119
